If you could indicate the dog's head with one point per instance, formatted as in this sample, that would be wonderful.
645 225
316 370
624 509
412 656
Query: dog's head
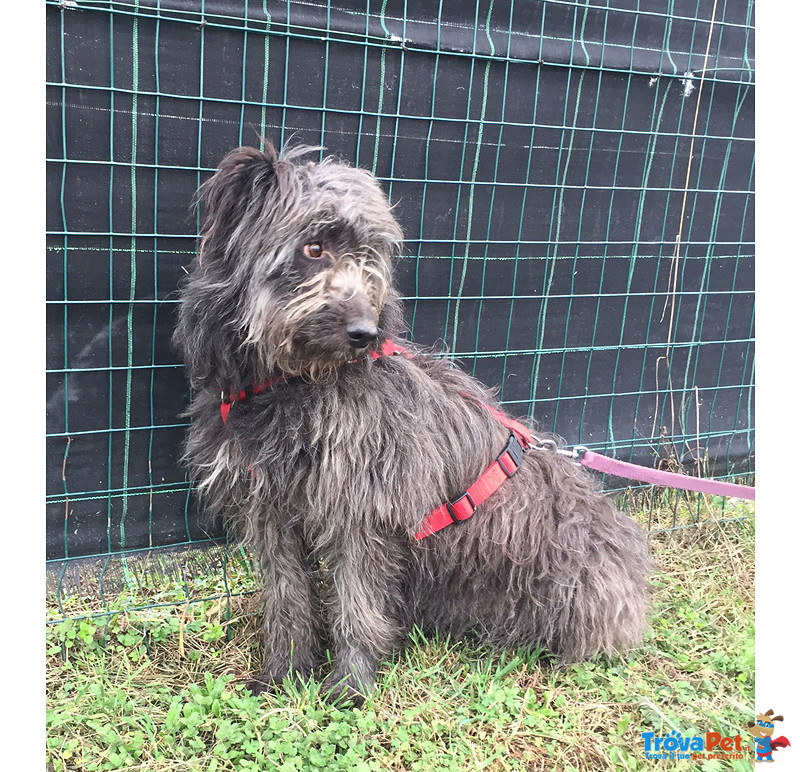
294 271
764 725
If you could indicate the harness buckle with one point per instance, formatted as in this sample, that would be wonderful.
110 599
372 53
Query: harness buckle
515 450
451 507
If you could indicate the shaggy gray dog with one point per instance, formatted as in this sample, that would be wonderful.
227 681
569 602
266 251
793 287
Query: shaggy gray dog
326 453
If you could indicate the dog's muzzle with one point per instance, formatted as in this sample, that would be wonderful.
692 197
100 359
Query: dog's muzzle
361 333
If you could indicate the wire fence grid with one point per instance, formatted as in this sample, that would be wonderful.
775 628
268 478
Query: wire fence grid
574 180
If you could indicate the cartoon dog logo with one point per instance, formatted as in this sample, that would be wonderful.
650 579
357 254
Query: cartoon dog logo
761 729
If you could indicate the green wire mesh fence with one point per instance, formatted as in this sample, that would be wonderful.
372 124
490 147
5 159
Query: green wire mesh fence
574 179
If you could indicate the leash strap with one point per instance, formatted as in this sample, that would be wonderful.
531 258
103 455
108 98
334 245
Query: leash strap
685 482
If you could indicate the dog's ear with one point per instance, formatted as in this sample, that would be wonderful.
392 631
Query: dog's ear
243 177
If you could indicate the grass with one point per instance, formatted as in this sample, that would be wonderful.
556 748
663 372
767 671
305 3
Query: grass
159 688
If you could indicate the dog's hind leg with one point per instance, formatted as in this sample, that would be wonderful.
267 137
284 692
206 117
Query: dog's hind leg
370 614
291 621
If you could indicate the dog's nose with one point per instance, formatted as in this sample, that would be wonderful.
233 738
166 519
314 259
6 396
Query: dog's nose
360 334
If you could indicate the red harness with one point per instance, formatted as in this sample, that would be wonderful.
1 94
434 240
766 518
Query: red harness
462 507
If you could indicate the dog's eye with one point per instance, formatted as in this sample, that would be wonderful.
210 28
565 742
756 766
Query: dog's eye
314 250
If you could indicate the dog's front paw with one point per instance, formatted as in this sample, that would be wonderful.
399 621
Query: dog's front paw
261 685
271 679
342 688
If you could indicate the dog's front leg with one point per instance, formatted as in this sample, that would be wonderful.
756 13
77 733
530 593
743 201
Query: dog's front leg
291 622
369 619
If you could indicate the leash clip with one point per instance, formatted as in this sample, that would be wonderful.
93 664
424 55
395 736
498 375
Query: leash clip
574 453
541 444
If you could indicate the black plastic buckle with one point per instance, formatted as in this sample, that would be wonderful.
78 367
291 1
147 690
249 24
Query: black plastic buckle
453 502
515 450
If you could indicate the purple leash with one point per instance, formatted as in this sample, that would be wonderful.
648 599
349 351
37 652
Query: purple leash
685 482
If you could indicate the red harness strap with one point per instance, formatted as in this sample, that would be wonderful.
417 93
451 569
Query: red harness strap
228 402
388 348
462 507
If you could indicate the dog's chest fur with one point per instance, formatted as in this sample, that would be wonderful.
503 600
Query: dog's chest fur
340 451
